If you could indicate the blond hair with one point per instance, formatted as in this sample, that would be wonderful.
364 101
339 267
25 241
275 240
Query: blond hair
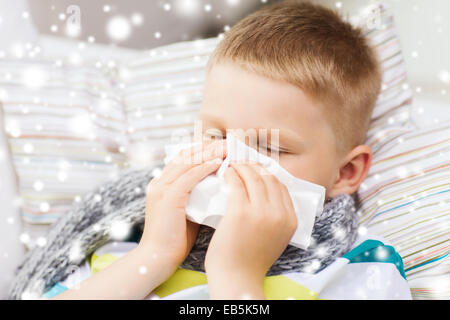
315 49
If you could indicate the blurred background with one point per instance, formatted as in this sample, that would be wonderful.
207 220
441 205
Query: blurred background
423 26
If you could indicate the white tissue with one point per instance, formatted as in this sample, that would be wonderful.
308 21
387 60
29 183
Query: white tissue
208 200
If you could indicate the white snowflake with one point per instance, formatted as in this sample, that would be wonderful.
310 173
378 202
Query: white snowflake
62 176
38 185
72 30
34 77
118 28
41 241
233 2
137 19
119 230
28 148
187 7
142 269
24 238
75 253
44 206
444 76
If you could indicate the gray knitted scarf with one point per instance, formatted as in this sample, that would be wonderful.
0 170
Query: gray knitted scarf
87 225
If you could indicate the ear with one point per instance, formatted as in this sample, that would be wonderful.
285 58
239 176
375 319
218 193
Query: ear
352 171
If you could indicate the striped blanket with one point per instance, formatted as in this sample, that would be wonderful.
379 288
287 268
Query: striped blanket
372 269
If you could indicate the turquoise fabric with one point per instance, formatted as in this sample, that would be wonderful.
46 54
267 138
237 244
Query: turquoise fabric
375 251
55 290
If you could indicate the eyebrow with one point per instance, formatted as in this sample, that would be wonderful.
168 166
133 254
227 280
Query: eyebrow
286 137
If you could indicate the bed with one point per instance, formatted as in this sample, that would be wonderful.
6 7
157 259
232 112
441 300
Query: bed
405 197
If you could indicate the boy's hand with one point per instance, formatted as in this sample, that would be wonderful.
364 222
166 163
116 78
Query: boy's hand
257 227
167 233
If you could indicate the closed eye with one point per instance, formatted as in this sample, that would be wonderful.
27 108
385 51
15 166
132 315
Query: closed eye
279 151
214 133
275 150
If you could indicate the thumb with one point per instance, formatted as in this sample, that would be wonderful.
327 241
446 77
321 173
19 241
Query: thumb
237 191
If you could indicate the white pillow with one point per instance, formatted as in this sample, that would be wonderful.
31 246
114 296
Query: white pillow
17 26
65 129
11 249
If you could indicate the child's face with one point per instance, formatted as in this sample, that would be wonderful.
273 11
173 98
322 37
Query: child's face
237 99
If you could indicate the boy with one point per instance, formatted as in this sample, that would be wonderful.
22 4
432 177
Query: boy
295 67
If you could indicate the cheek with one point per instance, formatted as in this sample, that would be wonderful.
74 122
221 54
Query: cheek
307 168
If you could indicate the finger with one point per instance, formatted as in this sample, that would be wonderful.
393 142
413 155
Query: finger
238 193
188 180
288 204
278 194
191 158
253 182
199 151
272 184
211 150
191 234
